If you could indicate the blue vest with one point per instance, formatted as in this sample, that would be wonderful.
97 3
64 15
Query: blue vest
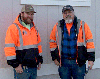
69 43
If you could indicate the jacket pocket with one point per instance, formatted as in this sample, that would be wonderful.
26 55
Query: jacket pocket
82 55
30 58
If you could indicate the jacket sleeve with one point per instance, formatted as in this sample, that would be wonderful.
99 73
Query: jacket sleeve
39 43
53 44
10 44
89 43
40 57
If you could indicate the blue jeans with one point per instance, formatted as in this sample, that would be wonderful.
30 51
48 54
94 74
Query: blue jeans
28 73
70 69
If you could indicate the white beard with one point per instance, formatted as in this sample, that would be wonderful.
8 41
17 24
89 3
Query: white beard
68 21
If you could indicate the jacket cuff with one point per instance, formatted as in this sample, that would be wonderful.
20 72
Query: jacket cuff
13 63
91 56
40 59
55 55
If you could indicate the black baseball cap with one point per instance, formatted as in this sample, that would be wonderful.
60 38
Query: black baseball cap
67 7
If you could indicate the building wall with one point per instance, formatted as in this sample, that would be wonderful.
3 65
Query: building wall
45 19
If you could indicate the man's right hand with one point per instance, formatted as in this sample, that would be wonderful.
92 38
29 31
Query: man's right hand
56 62
19 69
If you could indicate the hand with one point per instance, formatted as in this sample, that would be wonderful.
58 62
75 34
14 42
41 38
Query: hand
19 69
90 63
39 66
56 62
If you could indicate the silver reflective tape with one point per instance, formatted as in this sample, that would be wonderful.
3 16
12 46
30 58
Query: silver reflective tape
11 57
20 36
89 40
52 49
39 44
10 45
80 44
78 25
21 41
52 41
40 54
27 47
90 50
59 36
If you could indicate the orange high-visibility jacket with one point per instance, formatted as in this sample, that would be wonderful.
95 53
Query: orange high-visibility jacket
21 44
56 38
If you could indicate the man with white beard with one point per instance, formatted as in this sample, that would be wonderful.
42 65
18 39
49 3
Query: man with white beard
67 45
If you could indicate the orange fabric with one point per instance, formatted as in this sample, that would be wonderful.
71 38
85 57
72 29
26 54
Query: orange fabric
68 26
40 48
29 37
53 36
10 51
88 35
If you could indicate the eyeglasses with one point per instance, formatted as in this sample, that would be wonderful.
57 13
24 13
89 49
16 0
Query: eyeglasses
29 13
68 12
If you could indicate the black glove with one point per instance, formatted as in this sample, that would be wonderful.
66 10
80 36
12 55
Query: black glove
40 59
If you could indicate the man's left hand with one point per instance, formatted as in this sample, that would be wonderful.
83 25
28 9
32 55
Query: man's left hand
90 64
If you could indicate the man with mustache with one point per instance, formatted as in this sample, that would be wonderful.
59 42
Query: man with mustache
23 45
68 49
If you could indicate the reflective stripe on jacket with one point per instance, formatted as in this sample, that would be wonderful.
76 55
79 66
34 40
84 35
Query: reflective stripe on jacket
56 37
20 38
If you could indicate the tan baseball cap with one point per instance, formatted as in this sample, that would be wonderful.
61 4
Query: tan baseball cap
27 8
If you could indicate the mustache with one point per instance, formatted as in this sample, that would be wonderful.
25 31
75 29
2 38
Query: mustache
68 16
31 19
